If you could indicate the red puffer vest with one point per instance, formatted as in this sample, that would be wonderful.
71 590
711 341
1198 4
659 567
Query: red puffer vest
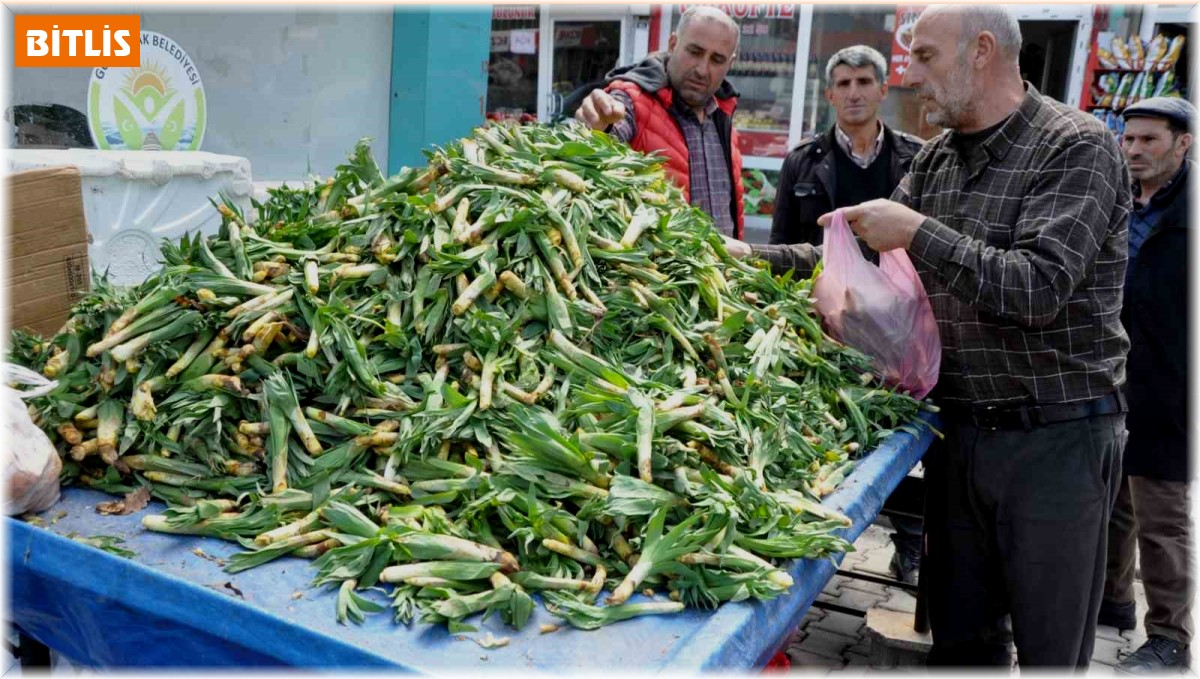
658 131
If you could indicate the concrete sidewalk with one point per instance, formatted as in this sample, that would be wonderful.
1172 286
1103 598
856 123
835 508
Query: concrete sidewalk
829 641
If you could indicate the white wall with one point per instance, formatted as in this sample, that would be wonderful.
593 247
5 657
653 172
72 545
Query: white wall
292 89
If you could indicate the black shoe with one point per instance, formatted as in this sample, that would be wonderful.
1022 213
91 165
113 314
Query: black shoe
906 561
1121 616
1157 655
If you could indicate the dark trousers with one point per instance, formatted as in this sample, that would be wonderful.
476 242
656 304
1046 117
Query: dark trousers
1151 516
1016 526
907 528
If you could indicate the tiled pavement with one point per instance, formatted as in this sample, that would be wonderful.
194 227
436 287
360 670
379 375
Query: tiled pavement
829 640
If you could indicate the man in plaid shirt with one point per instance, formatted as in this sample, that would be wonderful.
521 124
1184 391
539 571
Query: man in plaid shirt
1016 220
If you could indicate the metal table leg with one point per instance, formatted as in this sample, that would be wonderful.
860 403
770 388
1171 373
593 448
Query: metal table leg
32 653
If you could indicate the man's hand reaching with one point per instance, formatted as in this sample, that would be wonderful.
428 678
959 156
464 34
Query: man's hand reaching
737 249
599 110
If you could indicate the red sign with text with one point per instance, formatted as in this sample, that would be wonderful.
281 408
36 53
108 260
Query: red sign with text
514 13
752 11
906 17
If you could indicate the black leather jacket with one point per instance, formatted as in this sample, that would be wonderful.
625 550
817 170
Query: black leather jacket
808 181
1155 315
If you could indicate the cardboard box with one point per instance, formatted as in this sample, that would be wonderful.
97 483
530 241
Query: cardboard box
47 239
132 200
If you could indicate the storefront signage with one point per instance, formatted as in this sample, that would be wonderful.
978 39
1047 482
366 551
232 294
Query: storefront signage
906 18
570 36
750 11
523 42
157 105
501 40
514 13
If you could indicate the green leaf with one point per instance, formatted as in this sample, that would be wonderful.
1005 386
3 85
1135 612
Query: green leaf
348 519
631 497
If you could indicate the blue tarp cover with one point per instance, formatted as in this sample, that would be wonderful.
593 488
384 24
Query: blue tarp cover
172 605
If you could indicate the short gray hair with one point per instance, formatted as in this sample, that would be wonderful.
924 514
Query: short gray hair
710 13
857 56
995 19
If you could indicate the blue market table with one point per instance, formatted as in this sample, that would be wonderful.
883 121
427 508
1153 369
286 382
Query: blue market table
172 605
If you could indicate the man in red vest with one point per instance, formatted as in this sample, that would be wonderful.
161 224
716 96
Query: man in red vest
678 104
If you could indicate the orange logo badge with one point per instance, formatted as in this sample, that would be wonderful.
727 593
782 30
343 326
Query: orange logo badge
77 40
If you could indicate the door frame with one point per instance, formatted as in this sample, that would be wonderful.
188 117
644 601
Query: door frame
1153 15
799 80
553 13
1082 15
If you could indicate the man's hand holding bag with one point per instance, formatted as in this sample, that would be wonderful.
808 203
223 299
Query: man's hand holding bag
882 310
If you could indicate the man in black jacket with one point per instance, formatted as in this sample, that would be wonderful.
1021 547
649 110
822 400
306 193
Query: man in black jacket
857 160
1154 498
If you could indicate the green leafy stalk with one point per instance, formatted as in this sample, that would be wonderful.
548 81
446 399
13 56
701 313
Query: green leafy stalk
588 617
658 550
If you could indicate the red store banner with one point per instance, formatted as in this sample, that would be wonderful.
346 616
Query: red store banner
906 17
575 36
514 12
752 11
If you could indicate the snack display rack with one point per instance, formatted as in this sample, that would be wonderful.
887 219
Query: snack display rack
1124 70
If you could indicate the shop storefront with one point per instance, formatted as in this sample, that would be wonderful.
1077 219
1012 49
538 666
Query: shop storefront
783 100
1171 22
780 66
1133 60
537 56
529 80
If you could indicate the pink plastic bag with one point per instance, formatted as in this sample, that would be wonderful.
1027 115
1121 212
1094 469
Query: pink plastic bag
880 310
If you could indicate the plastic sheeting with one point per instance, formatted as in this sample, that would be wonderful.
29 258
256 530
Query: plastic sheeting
171 605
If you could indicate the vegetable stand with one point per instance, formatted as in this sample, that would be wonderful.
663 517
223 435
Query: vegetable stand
170 604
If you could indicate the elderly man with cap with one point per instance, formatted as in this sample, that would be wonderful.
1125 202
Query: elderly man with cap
1154 496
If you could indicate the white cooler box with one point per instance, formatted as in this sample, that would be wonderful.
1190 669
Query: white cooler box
134 199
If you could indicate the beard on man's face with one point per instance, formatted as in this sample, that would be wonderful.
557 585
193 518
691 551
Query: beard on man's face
692 93
954 100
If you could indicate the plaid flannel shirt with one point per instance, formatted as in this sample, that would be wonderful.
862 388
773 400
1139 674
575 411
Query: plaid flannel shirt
1023 253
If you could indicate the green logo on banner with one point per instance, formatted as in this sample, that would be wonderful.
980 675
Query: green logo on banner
159 105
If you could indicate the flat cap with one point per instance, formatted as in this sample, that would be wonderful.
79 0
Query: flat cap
1179 111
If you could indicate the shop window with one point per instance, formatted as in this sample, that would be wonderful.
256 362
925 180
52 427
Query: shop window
763 73
836 27
513 64
1046 49
1172 32
584 53
760 193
